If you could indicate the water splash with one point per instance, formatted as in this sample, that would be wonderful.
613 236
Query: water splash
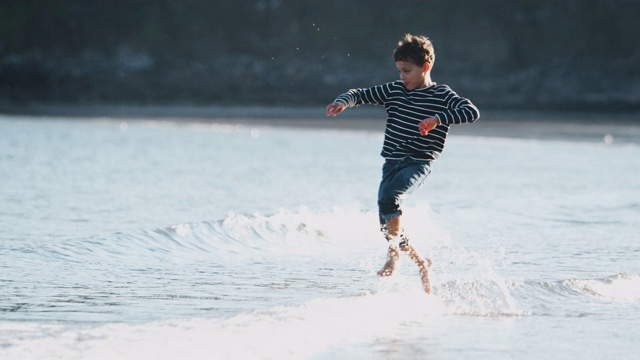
624 287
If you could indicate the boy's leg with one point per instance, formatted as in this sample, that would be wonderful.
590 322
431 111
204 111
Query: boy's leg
391 230
424 264
399 179
393 226
398 241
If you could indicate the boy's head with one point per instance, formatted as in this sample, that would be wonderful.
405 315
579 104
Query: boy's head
417 50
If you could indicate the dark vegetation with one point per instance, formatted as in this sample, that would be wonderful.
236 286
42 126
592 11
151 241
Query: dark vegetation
557 55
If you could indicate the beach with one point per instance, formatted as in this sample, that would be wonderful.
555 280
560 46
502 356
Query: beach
494 123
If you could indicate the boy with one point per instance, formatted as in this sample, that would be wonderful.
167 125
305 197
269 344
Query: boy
419 113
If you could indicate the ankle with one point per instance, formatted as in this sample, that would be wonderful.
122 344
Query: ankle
397 240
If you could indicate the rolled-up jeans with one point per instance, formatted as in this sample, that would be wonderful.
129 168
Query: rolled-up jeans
400 178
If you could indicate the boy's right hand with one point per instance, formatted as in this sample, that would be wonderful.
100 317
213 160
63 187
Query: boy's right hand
335 108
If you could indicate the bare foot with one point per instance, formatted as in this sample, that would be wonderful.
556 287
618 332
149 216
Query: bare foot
424 264
390 266
424 274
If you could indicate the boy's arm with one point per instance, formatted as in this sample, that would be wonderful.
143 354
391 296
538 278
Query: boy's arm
459 111
354 97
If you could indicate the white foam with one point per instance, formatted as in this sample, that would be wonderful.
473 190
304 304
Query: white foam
617 287
286 332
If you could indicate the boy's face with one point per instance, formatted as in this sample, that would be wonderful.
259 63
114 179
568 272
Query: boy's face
412 75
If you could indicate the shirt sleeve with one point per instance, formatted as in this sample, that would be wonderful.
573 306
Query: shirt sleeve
376 95
459 110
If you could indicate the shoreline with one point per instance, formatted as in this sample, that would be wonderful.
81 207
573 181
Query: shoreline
604 127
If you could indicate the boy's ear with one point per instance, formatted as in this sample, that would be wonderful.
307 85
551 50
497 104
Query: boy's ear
426 67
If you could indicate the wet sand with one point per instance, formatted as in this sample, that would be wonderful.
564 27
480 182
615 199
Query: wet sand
605 127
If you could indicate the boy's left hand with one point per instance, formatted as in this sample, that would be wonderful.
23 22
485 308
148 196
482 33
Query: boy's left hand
427 125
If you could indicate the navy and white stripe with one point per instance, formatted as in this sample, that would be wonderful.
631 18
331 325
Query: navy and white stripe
405 110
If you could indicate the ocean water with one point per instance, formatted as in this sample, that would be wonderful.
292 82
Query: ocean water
149 239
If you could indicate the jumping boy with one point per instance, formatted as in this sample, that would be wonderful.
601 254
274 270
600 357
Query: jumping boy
419 113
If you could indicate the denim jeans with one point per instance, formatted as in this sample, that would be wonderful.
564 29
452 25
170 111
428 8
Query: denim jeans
400 178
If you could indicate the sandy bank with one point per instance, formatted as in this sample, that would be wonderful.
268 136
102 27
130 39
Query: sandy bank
623 127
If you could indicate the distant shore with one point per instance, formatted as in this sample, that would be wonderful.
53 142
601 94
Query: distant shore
624 127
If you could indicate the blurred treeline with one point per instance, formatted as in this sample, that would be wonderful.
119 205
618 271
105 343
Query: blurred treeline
519 54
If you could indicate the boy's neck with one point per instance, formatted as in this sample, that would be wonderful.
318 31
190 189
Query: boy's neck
427 82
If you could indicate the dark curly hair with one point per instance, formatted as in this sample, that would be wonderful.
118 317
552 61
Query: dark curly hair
415 49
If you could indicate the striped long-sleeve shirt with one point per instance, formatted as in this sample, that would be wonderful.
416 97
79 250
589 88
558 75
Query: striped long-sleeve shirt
405 110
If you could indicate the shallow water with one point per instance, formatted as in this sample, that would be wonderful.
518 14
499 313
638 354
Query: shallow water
156 239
